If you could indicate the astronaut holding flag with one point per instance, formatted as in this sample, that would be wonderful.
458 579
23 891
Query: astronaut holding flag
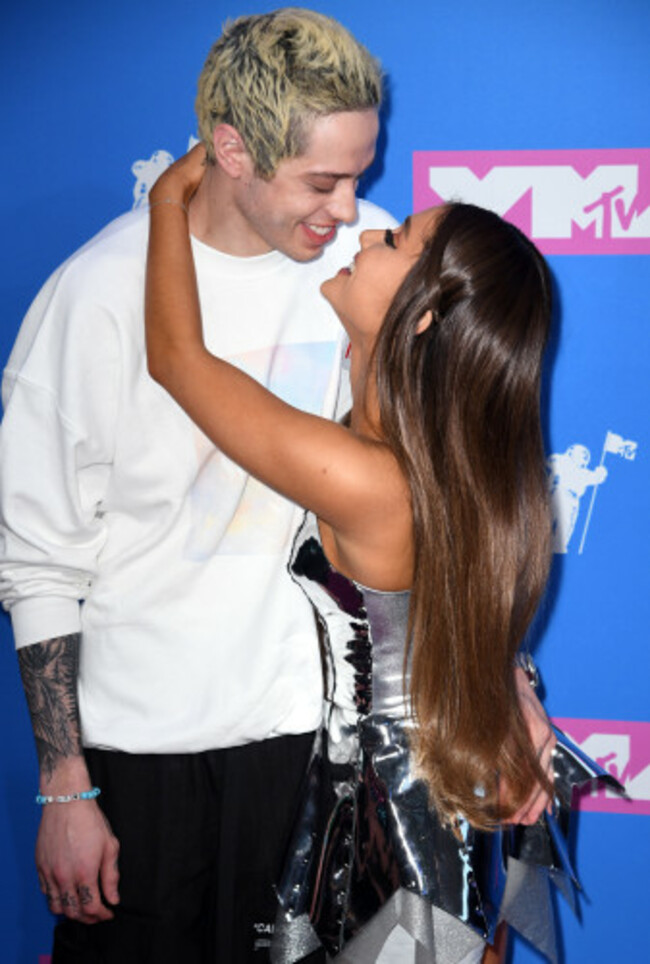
569 477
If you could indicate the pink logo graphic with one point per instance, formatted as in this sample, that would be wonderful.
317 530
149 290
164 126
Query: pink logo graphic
623 749
568 202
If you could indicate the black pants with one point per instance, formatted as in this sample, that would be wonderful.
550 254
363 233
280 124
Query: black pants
202 839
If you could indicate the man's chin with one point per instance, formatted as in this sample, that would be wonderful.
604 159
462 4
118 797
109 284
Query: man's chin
305 244
302 253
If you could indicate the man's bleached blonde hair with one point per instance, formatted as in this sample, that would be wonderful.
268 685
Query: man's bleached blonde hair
268 75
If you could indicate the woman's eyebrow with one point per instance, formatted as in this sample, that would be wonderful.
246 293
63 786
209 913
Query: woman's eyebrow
406 227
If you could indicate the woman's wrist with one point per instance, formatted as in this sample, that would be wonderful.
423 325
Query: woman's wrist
524 661
170 201
170 189
177 185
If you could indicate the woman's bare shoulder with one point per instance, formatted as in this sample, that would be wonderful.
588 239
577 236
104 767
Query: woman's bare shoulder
375 545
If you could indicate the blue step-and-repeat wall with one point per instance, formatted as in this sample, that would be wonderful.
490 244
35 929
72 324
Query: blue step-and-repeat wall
539 110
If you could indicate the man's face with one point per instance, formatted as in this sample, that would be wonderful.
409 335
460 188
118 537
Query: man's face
299 209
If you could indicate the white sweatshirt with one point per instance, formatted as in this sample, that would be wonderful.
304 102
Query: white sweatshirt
193 634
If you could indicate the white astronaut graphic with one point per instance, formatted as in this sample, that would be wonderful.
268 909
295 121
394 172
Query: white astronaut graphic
569 478
146 174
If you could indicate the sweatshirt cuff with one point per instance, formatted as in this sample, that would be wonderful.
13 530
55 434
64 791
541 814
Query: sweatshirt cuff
46 617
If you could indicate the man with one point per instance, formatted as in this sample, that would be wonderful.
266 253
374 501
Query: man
185 686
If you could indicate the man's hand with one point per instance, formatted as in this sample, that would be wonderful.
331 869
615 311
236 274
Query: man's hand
543 739
76 859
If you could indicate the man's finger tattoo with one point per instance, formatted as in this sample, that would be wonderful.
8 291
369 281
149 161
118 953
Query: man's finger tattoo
85 895
69 900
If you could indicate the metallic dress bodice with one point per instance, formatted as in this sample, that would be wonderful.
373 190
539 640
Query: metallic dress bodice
368 851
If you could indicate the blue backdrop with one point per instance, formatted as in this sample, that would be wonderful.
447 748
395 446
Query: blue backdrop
90 89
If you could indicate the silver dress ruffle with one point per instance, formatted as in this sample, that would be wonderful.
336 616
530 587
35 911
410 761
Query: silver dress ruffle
368 852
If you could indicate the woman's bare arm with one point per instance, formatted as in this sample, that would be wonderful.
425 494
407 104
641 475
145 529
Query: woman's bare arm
314 462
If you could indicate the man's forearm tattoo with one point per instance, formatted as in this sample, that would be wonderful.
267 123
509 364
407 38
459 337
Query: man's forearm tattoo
49 673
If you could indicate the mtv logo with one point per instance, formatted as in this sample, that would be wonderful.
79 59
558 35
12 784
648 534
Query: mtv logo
621 748
611 751
568 202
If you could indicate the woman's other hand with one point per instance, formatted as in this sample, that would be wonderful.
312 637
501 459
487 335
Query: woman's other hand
543 739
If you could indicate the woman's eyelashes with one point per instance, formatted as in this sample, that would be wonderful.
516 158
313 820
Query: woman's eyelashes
389 238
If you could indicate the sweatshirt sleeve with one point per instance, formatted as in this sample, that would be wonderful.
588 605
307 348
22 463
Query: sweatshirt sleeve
60 395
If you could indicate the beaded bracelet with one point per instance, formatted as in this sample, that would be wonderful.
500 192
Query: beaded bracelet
168 200
69 797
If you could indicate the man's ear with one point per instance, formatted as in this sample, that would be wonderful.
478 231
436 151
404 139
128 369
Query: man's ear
230 153
424 322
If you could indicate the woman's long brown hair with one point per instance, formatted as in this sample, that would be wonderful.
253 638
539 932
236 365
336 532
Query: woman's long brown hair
459 406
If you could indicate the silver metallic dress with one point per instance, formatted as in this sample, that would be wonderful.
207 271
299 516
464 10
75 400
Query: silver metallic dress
368 853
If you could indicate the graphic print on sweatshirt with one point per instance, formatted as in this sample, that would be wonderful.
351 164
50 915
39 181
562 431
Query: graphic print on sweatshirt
232 513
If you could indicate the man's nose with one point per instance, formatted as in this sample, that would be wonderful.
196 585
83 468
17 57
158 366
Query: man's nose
343 204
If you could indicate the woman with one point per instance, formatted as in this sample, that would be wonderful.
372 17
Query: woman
433 494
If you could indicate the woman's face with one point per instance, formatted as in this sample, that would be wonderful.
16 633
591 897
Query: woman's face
362 293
